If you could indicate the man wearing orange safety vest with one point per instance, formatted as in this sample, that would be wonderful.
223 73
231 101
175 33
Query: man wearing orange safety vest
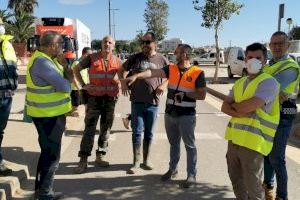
186 85
102 91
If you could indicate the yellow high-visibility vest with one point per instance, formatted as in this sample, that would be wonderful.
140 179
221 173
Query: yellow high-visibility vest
8 50
292 89
257 131
44 101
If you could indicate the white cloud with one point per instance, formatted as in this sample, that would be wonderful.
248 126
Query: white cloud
75 2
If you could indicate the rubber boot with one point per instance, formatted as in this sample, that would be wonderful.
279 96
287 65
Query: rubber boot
82 166
146 165
136 159
100 159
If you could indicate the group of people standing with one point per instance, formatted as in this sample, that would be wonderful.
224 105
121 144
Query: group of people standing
262 107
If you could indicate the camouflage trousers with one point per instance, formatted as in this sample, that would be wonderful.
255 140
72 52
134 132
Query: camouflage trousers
104 107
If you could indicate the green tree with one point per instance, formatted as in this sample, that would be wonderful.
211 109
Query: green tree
214 12
96 44
22 6
5 15
294 34
155 17
21 27
122 46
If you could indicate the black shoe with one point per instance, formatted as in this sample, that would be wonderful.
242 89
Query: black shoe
191 180
56 196
4 171
169 175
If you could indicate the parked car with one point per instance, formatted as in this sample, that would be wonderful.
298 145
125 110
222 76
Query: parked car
210 57
236 62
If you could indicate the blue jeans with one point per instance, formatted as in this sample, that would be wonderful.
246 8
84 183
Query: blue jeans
143 117
275 162
5 106
182 127
50 130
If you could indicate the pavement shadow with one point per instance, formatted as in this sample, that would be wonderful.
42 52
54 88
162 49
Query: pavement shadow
19 156
68 168
146 187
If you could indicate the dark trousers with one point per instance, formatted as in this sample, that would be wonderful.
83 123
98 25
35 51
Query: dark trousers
5 106
275 161
50 130
103 106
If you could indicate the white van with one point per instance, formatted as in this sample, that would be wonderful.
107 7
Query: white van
236 62
210 57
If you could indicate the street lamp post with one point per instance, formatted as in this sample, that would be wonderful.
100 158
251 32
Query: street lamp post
114 21
109 21
289 21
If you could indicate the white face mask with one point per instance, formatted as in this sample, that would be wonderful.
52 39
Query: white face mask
253 66
2 30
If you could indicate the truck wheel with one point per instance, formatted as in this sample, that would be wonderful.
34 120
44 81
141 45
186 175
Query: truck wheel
244 73
230 75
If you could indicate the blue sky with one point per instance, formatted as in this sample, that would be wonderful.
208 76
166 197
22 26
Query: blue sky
256 22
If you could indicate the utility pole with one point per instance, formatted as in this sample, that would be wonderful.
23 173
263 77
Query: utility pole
114 22
109 19
280 15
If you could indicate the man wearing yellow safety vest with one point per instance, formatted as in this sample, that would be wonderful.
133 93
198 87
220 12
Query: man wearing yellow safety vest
48 79
8 84
253 104
286 71
186 85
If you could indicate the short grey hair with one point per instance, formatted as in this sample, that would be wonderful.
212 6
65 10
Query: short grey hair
48 37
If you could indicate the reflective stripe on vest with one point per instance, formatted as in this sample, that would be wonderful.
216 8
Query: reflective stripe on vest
182 83
44 101
102 75
257 131
292 89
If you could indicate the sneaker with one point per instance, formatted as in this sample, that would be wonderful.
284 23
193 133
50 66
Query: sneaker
125 122
169 175
82 166
191 180
4 171
269 194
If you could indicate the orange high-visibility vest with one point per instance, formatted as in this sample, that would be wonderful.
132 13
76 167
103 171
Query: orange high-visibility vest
182 83
103 75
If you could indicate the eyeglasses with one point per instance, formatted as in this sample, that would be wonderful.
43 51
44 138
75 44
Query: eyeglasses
146 42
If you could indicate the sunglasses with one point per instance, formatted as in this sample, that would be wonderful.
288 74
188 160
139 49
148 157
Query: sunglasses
146 42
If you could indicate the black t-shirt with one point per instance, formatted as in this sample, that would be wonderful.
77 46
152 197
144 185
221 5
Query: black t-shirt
177 110
143 90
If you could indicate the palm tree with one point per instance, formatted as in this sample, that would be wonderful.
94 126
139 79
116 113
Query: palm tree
23 6
5 15
21 27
